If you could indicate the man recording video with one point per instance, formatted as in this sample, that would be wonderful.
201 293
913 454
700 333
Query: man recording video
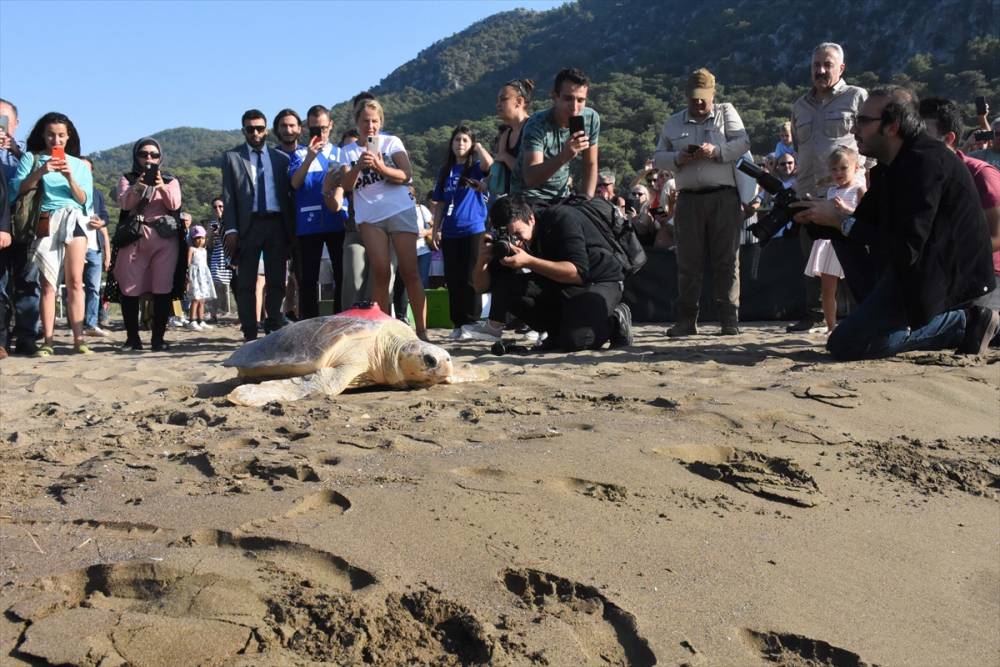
557 273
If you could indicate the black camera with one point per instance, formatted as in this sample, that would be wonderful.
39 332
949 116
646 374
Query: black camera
634 203
503 243
983 135
767 226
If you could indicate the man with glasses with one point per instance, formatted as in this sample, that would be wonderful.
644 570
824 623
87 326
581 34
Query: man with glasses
316 224
257 218
916 250
701 143
605 186
822 119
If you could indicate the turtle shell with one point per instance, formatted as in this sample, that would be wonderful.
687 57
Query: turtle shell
306 346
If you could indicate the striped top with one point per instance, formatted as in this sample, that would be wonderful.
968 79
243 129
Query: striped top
218 262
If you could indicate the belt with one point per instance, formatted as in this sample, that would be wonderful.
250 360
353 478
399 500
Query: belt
708 191
256 215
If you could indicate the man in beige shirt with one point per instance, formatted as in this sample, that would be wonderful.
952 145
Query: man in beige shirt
700 144
822 120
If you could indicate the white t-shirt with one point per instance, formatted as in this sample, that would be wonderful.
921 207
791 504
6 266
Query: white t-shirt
374 198
425 221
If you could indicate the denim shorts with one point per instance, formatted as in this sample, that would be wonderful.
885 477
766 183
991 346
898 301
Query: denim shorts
404 221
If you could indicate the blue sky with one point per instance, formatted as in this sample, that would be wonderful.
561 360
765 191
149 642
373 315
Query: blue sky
123 70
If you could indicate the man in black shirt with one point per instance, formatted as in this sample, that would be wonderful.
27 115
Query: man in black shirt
560 276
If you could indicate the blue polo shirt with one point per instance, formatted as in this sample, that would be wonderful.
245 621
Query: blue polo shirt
311 214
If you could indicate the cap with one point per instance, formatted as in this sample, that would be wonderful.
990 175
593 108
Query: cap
700 84
197 232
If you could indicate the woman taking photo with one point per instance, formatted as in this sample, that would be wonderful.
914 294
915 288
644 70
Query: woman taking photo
513 103
152 263
377 170
51 163
460 221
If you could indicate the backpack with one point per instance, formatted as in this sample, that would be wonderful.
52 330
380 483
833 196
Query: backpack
616 230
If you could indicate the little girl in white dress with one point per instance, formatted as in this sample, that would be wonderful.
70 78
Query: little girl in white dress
822 262
200 285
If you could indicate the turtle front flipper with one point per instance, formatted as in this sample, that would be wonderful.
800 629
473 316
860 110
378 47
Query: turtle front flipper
329 381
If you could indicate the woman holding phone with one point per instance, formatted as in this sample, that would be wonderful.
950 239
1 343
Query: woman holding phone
376 169
149 265
460 222
51 163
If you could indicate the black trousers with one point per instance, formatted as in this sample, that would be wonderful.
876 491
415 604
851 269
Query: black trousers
310 256
576 317
266 235
459 262
19 292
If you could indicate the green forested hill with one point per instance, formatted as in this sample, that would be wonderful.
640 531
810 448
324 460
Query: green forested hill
638 54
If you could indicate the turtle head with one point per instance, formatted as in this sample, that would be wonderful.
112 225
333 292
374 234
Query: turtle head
423 364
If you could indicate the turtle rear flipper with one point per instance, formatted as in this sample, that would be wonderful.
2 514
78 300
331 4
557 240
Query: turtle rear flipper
329 381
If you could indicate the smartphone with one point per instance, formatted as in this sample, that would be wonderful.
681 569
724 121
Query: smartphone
980 105
149 175
372 143
58 152
315 132
983 135
4 123
576 124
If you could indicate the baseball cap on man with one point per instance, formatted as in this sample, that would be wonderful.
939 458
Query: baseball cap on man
700 84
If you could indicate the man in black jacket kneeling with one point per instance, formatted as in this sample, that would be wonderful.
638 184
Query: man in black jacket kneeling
916 252
558 274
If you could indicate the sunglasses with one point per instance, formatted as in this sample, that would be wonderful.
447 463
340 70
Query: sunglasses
152 154
254 129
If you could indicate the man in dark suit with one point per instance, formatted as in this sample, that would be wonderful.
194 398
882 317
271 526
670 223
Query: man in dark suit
916 251
258 216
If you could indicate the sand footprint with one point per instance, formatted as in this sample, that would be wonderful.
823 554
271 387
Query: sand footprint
789 649
323 503
769 477
497 481
606 633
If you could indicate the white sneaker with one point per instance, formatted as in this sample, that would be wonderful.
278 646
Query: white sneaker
205 325
482 331
532 335
193 326
456 334
175 321
97 332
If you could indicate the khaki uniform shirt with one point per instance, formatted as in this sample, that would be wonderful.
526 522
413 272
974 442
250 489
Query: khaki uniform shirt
723 128
819 126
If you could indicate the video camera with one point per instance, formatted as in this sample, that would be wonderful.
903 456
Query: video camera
769 225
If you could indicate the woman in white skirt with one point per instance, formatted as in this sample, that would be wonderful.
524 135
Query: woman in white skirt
823 262
51 163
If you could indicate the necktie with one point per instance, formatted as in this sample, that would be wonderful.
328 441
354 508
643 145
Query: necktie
261 194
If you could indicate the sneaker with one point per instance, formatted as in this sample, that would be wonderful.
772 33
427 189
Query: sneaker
193 326
532 335
205 325
980 326
175 321
683 328
456 334
482 331
96 332
729 328
808 324
131 346
621 331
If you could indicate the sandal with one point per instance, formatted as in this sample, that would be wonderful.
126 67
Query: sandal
44 351
81 348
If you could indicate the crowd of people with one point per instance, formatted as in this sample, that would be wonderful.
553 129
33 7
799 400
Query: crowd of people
894 199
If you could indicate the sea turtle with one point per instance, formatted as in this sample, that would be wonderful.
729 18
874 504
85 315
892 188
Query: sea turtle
360 347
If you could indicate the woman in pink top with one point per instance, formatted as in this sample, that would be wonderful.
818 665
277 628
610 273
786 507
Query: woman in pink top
148 265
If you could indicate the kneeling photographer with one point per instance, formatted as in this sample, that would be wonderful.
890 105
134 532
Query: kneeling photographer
557 273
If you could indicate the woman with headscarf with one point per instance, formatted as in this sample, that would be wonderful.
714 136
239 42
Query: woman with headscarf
148 265
51 163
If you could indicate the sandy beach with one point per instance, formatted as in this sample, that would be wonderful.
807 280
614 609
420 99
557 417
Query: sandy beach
737 501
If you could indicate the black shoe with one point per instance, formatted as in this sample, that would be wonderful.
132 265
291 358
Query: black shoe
25 347
980 326
809 324
621 330
683 328
134 345
729 330
160 346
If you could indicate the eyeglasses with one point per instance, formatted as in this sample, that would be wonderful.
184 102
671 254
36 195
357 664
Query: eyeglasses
254 129
861 119
152 154
321 128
